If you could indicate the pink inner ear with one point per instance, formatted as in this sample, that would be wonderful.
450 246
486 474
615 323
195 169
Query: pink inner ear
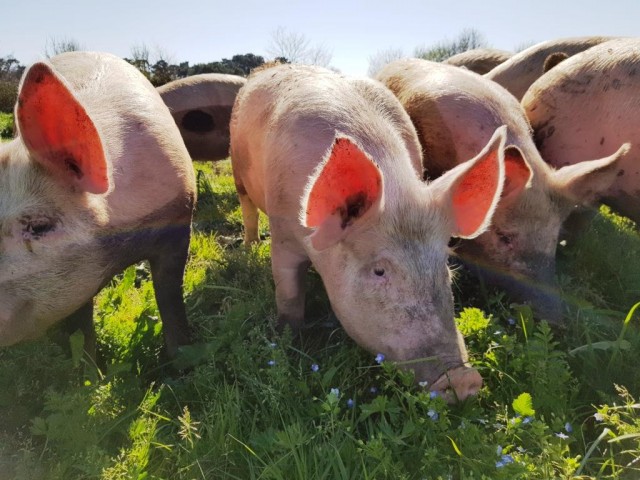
348 184
58 132
516 172
474 194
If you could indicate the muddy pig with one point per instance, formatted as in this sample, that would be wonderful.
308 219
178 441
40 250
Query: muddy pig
586 107
479 60
98 178
334 162
455 113
525 67
201 106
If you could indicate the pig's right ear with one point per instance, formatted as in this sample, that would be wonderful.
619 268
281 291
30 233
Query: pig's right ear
345 187
58 132
470 192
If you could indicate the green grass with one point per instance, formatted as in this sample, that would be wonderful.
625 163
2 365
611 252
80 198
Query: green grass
6 126
249 406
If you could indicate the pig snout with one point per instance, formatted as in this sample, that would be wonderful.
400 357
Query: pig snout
458 384
13 327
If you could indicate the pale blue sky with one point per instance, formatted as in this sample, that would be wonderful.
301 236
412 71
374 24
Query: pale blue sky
201 31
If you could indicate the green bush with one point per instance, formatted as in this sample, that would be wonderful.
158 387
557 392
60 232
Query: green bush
6 125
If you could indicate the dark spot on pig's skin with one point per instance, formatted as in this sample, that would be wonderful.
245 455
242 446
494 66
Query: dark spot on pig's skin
240 188
602 141
620 173
354 207
198 121
551 130
616 84
632 72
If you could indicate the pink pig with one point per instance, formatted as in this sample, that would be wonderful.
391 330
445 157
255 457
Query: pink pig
585 107
97 179
335 163
455 113
525 67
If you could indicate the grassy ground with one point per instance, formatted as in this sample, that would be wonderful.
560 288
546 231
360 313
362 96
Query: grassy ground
255 405
6 126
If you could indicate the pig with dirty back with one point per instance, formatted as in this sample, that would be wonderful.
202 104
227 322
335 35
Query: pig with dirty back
98 178
521 70
455 113
479 60
201 107
585 107
335 164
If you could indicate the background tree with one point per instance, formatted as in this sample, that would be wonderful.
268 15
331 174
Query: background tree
297 48
468 39
10 73
56 46
381 58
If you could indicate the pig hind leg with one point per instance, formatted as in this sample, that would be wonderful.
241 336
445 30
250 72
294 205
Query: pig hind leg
167 271
249 216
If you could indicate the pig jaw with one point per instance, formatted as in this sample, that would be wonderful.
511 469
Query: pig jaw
406 313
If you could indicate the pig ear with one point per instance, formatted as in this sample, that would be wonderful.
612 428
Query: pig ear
517 173
58 132
341 191
471 191
586 182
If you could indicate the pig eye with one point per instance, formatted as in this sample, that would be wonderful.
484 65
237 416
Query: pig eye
35 228
379 271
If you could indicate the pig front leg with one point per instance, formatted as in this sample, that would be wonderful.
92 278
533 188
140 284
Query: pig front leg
82 319
289 268
167 271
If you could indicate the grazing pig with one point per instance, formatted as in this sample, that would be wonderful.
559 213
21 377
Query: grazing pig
479 60
586 107
455 113
334 162
201 106
525 67
98 178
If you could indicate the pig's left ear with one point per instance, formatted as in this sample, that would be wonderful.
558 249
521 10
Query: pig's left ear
345 187
58 132
470 192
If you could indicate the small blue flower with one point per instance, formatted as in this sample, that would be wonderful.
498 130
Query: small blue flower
598 417
499 450
380 358
526 420
499 464
561 435
273 345
432 414
335 391
373 390
506 459
350 403
315 367
271 363
568 427
511 321
433 395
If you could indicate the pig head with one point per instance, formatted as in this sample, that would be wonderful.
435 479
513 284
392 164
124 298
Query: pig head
97 179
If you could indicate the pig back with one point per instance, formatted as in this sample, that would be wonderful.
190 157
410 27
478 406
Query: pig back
201 107
284 123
